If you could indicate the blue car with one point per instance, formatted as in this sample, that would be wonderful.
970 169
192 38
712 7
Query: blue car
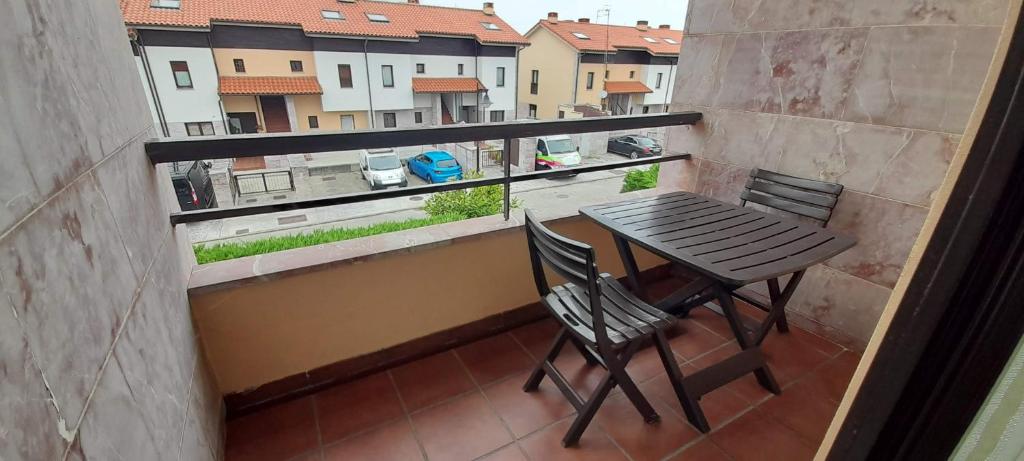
435 166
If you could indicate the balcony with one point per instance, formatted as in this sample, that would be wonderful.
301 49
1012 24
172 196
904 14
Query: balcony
116 344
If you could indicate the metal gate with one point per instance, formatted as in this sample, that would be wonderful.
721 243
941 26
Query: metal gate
259 183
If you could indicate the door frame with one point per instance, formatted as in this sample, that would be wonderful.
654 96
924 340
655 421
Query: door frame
959 320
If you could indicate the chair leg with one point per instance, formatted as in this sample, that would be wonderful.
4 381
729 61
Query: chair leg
538 371
617 368
584 351
586 414
690 405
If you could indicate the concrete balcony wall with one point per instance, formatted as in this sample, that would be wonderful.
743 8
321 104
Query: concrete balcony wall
98 356
871 94
264 328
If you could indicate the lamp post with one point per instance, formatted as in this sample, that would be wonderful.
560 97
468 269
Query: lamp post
482 103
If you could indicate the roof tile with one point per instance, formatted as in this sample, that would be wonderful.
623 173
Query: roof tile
269 85
626 86
446 85
619 37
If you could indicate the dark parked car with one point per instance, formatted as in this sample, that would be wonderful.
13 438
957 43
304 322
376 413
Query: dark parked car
633 146
192 185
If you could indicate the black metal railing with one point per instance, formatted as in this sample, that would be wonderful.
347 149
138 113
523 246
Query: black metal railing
168 150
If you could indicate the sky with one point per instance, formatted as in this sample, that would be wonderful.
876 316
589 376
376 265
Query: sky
523 14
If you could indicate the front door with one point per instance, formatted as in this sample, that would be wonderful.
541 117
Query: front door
348 122
275 114
242 122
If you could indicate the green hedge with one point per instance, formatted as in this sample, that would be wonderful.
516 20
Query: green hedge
640 179
471 203
224 251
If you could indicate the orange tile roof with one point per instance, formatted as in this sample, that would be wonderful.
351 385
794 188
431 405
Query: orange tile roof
446 85
269 85
406 20
627 86
619 37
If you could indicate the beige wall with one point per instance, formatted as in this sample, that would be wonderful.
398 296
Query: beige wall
306 105
263 63
275 328
878 105
616 72
556 61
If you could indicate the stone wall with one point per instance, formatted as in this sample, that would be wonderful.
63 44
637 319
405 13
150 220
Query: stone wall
872 94
98 355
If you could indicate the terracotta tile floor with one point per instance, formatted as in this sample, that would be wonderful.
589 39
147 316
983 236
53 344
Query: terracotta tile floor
467 404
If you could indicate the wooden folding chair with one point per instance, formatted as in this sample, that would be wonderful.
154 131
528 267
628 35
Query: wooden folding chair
808 198
609 323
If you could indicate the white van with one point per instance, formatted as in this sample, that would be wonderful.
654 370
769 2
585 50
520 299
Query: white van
382 169
556 152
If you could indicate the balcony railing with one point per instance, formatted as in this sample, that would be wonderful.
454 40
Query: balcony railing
168 150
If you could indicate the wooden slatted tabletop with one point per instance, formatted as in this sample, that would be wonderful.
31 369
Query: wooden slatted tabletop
732 244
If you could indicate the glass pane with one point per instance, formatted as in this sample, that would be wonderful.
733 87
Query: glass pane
193 129
183 79
207 128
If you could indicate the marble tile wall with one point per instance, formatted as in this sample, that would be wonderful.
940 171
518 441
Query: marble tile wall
98 356
873 94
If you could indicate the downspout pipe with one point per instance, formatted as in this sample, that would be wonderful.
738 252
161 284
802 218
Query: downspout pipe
216 70
148 70
369 85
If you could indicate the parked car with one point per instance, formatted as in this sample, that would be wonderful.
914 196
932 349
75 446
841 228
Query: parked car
382 169
192 185
435 166
633 146
556 152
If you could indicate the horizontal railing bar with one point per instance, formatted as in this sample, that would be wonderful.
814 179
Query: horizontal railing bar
184 217
180 149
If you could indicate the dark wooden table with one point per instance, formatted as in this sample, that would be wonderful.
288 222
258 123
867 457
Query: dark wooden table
725 246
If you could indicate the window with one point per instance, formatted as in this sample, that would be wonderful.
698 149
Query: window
657 83
590 80
581 35
500 78
671 41
561 114
374 17
421 68
498 116
176 4
345 75
239 65
533 111
331 14
534 81
632 73
647 109
182 78
650 40
199 129
348 122
314 122
606 74
417 117
389 120
388 75
461 68
296 66
490 26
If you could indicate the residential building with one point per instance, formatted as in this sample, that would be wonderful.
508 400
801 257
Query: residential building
623 69
216 67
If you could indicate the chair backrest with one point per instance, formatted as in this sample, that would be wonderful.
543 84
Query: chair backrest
574 261
805 197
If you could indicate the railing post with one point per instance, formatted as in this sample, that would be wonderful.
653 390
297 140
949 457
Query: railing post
506 160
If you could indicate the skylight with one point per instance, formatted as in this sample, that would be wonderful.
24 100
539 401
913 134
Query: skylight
176 4
490 26
669 40
331 14
650 40
581 35
374 17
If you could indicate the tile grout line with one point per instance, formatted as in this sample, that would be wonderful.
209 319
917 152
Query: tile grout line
316 423
188 405
408 416
833 28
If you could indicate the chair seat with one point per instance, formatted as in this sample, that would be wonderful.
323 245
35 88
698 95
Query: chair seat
627 317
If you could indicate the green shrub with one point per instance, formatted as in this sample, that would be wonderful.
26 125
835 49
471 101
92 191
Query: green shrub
224 251
471 203
640 179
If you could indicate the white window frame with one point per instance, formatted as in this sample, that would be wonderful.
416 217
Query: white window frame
377 17
581 35
499 77
332 15
387 73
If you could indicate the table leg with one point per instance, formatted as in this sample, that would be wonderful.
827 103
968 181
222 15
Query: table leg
777 311
762 372
629 262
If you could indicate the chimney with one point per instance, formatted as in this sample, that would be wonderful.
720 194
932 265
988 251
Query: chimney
641 25
553 17
664 26
584 20
413 2
489 8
